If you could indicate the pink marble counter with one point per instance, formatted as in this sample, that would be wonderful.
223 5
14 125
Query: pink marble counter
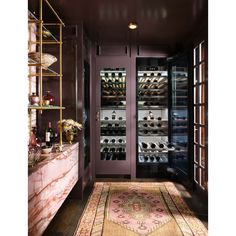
49 183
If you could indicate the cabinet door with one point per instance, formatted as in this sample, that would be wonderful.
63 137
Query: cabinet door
112 116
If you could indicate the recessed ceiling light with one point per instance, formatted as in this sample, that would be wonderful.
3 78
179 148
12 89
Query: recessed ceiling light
133 25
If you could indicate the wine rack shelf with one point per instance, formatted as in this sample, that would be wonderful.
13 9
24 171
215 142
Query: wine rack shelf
152 124
113 115
179 117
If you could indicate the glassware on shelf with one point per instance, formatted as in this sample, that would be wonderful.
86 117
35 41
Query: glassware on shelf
34 99
49 97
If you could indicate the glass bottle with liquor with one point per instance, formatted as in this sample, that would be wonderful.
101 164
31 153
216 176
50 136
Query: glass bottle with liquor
49 135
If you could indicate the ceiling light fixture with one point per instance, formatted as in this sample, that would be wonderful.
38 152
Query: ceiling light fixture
133 25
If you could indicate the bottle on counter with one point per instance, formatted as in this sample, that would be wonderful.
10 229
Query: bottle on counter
49 135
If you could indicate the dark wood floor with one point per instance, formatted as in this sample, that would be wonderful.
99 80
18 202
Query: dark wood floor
66 219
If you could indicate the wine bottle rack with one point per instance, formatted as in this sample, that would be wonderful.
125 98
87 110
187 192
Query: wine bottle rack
179 117
152 124
113 115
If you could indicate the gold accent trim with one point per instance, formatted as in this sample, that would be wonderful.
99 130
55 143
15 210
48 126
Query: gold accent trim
60 58
47 42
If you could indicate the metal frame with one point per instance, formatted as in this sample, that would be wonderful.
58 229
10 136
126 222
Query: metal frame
40 74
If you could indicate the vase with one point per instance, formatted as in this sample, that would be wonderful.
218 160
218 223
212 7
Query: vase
69 137
49 97
34 99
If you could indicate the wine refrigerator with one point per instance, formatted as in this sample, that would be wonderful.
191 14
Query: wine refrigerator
111 155
152 117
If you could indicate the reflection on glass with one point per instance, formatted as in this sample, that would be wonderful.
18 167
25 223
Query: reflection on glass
179 115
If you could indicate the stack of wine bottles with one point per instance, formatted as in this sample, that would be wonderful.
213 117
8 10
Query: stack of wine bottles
151 125
152 88
113 149
113 129
179 123
113 87
158 146
152 158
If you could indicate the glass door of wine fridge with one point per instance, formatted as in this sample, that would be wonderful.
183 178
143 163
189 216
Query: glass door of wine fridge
152 117
112 158
113 115
179 134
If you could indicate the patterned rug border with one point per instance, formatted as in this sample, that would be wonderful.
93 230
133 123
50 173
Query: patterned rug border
91 221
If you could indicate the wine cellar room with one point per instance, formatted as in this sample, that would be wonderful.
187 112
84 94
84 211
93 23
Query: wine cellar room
118 93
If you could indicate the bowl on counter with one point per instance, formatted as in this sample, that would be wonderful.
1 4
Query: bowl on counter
46 150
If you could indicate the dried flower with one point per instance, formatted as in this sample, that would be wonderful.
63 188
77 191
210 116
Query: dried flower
69 125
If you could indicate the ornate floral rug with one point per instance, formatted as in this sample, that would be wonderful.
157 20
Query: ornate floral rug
137 209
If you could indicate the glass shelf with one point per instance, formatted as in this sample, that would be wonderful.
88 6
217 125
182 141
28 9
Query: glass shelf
48 36
32 62
45 107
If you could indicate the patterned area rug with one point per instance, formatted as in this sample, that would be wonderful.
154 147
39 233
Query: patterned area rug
137 209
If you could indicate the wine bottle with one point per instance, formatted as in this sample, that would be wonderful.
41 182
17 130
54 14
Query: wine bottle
144 145
153 145
151 116
105 140
159 125
151 125
113 115
49 135
105 149
152 158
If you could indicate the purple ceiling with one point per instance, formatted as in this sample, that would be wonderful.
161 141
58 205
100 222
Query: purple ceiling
159 21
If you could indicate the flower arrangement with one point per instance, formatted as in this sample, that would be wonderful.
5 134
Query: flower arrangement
69 126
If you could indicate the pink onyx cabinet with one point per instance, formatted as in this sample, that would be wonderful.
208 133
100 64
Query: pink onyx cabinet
49 183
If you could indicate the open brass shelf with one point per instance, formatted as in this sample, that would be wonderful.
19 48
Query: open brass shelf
45 34
32 62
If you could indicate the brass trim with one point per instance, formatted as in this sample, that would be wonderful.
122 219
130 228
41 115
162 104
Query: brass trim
47 42
60 58
44 74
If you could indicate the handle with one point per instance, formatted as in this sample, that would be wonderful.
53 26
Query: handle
97 116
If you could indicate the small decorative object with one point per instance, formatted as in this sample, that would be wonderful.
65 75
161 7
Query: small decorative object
70 128
48 98
47 59
34 150
46 102
46 150
34 99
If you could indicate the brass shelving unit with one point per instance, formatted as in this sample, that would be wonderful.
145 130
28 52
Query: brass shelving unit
41 70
